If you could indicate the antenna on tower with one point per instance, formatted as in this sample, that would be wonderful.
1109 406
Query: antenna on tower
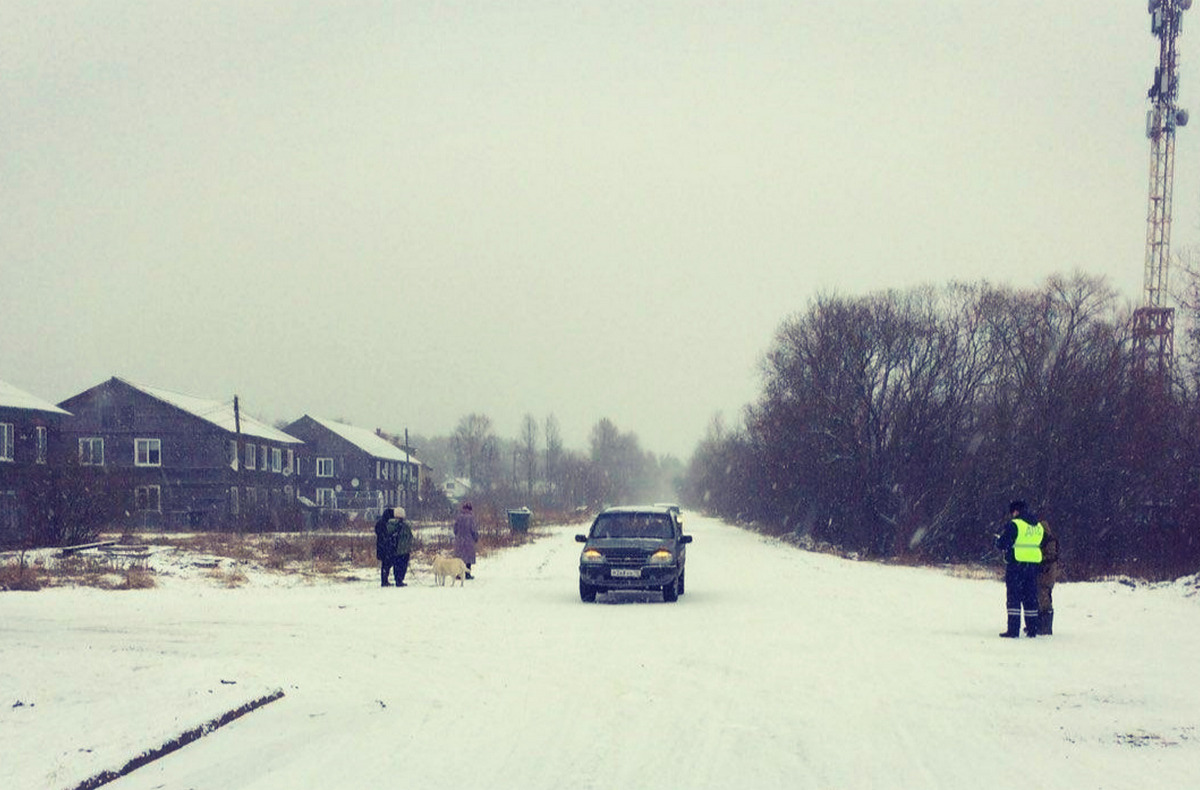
1153 322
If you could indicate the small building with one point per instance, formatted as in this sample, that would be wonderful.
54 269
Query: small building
186 462
457 489
355 469
30 445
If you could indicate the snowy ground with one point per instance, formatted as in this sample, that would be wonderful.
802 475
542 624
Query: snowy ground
777 669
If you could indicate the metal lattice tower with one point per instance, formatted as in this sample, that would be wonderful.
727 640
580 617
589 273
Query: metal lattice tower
1153 322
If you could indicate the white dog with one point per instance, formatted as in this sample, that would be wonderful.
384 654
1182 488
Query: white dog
452 567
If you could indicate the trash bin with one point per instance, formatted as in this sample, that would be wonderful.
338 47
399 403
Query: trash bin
518 519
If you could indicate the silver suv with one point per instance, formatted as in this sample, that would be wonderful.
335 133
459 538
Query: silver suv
633 548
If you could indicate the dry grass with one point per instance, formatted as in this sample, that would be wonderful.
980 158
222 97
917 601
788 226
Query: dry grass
15 576
341 556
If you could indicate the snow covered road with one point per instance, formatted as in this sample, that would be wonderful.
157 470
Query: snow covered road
777 669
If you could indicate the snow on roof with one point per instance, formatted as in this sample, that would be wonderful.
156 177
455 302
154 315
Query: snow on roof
14 398
219 413
368 441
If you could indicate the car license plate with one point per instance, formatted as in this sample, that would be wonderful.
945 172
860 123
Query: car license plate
627 573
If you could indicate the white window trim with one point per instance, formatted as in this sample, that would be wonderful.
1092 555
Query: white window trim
276 459
324 467
152 446
251 456
42 444
291 460
7 440
325 497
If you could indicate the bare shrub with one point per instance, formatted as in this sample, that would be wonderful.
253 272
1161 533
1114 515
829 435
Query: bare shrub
230 578
138 579
19 576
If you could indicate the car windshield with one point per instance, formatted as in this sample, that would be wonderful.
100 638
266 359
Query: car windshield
633 525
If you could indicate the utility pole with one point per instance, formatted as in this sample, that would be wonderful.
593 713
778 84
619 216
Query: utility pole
1154 322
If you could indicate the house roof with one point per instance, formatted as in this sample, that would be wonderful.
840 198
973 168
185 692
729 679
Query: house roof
219 413
14 398
365 440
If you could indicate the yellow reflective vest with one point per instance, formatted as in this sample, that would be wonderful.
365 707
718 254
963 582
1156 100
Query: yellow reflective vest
1028 546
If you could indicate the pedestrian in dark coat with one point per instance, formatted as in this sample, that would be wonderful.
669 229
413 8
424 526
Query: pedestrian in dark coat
1021 541
1047 576
465 537
403 533
385 545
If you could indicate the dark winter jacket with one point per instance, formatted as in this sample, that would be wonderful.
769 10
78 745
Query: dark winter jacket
465 537
402 535
385 542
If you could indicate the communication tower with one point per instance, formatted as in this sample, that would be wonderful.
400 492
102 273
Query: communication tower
1153 322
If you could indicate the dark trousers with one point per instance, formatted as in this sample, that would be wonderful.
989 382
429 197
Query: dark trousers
400 567
1021 592
397 564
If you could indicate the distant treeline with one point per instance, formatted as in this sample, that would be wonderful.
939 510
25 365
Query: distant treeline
901 424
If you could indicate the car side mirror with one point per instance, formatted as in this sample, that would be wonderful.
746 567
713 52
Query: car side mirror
685 538
581 538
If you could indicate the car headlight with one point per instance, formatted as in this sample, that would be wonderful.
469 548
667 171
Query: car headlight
661 556
591 555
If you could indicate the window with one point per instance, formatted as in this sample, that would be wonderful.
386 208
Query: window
324 497
251 461
291 460
147 498
233 454
6 441
276 459
41 444
234 504
91 451
324 467
147 452
251 497
378 473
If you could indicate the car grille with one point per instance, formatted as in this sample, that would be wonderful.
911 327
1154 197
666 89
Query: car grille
626 556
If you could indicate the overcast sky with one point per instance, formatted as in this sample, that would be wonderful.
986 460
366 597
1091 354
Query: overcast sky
398 213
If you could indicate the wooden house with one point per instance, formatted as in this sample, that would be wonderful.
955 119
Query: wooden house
355 469
187 462
30 445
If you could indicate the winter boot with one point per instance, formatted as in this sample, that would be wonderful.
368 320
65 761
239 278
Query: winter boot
1032 626
1014 627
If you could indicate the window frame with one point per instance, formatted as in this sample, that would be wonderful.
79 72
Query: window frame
137 498
153 454
92 443
324 467
8 439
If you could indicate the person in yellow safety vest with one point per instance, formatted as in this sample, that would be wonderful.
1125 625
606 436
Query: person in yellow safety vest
1021 542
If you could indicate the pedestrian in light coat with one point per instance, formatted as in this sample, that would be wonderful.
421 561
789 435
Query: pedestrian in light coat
465 537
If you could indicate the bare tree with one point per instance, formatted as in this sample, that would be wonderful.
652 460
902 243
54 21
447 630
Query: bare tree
529 451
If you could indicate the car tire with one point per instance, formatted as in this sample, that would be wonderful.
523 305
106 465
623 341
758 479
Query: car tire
671 592
587 593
